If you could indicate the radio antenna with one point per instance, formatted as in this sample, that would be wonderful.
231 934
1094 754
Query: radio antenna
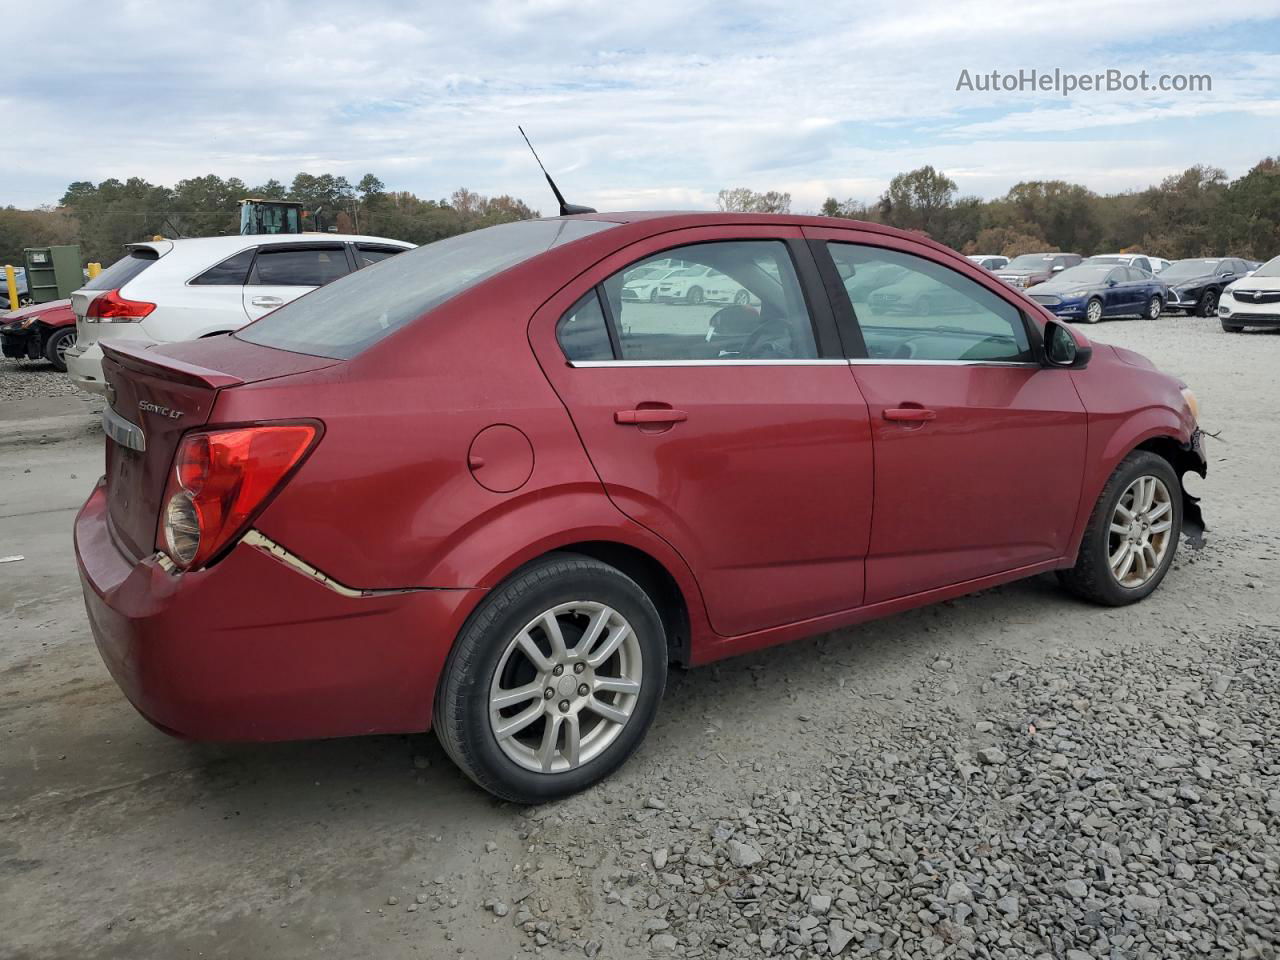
566 209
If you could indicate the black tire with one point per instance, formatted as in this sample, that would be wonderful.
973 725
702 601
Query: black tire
1091 577
1208 306
461 711
56 346
1089 317
1154 306
694 296
1231 327
653 295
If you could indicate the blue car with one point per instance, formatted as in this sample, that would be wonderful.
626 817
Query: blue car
1092 291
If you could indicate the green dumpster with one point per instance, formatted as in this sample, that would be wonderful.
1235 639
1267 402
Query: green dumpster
53 272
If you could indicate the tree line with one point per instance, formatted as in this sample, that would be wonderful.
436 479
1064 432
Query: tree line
1198 212
103 217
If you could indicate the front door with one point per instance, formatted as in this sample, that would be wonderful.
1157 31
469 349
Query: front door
733 431
979 450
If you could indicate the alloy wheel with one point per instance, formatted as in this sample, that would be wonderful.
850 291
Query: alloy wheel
1153 309
1093 312
565 687
1140 531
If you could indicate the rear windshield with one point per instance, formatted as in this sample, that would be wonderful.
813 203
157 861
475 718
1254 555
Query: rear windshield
350 314
123 270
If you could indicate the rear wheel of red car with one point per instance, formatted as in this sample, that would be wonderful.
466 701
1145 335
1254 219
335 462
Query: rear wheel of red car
554 680
56 347
1132 535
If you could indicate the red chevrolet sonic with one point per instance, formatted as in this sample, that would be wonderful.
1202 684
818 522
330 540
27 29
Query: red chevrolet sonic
496 485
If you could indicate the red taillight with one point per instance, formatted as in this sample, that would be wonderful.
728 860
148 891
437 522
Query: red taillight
220 480
110 307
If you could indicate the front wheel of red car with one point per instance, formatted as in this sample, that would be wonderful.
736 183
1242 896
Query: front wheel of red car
554 680
1132 534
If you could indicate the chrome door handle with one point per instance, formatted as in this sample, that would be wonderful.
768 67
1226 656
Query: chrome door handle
266 301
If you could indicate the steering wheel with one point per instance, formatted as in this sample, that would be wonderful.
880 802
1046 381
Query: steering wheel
755 347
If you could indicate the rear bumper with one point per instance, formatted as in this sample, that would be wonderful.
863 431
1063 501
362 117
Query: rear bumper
84 367
251 649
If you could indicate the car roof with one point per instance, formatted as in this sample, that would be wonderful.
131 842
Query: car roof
237 241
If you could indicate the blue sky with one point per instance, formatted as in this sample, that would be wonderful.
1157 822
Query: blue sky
658 104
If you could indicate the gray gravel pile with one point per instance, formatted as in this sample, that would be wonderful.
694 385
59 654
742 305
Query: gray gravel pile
32 380
1120 805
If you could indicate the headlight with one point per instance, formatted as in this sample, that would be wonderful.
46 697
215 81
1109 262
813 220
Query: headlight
26 322
1076 294
1192 403
1227 295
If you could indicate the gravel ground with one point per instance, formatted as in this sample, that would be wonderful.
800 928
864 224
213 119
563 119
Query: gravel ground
1011 774
32 380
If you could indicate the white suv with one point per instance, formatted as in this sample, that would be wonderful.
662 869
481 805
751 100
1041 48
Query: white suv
167 290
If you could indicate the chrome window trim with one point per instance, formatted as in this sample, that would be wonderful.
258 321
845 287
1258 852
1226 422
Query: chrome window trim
944 363
815 362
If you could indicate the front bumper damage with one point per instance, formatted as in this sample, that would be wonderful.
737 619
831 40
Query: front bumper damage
1194 461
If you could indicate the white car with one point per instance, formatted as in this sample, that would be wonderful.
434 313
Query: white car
701 284
990 261
1253 300
1139 260
168 290
641 283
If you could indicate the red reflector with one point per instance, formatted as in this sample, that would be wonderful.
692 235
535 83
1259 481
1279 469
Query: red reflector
111 306
229 476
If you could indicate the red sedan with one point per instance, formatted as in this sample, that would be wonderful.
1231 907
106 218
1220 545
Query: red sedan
476 488
45 330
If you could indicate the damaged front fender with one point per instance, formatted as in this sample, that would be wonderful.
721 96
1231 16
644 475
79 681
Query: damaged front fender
1191 459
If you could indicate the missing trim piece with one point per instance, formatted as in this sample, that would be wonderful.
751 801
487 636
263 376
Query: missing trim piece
255 539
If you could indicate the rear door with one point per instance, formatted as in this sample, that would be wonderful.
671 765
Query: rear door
285 271
979 450
748 451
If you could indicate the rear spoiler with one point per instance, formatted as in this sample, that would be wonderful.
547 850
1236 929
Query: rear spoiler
143 359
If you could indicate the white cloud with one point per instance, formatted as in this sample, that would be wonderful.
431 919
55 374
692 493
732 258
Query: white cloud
661 103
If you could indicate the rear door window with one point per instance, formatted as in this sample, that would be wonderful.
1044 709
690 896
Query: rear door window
299 266
737 300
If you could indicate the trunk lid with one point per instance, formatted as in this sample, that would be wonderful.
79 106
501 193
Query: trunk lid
158 395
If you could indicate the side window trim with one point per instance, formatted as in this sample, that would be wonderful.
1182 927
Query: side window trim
851 328
193 280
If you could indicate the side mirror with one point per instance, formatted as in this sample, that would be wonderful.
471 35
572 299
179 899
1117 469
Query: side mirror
1111 282
1057 268
1061 348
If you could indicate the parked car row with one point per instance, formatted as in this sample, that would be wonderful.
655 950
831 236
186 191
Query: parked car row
1138 285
